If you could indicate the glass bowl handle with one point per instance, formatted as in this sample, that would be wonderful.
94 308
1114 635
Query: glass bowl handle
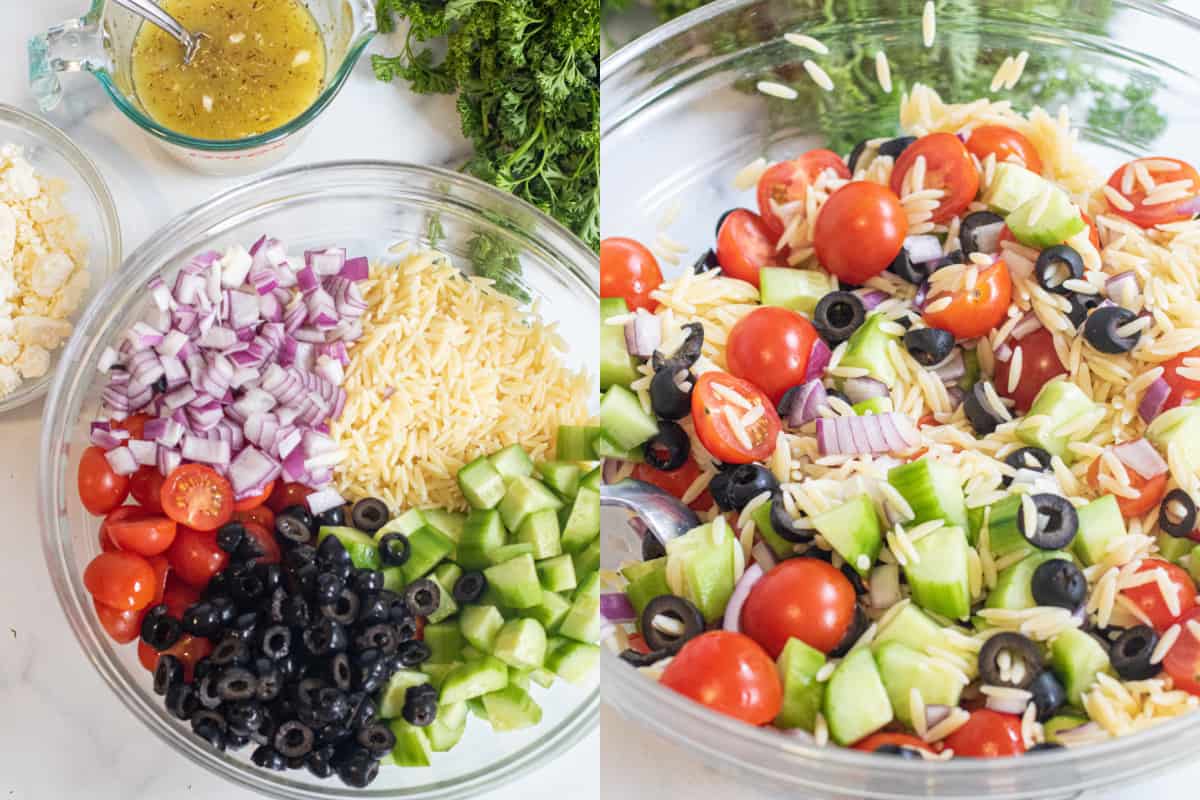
77 45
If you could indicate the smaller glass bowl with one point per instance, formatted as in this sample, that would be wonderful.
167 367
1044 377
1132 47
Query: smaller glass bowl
54 155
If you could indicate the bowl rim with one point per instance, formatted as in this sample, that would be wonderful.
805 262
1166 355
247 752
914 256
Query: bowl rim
86 170
581 264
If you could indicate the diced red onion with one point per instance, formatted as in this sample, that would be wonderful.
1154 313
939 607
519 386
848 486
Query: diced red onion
180 397
287 443
1154 399
169 460
144 452
121 460
818 359
1007 705
615 607
218 337
922 248
643 334
1004 352
871 298
251 471
307 280
324 500
243 310
142 337
356 269
1141 457
987 237
1028 324
160 293
101 436
330 369
172 343
921 296
865 388
806 403
874 433
107 360
206 451
325 262
733 610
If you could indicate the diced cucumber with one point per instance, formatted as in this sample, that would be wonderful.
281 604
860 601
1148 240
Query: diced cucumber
932 490
1058 403
582 622
589 585
853 530
1077 659
1004 533
479 625
576 442
587 560
1042 224
607 448
471 654
624 420
856 703
521 644
448 523
447 574
874 405
902 669
557 574
393 579
391 699
427 548
519 677
412 746
363 550
445 642
939 579
616 365
524 496
540 531
1173 549
447 605
515 582
482 533
510 551
437 672
797 289
868 347
705 559
781 547
542 677
1194 563
474 679
574 662
560 476
1181 425
475 706
592 480
648 584
1100 524
481 483
447 728
911 626
1013 584
550 612
511 709
582 524
1011 186
406 523
1059 723
512 462
798 665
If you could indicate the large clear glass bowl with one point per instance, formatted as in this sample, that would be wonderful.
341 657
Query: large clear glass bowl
365 207
680 116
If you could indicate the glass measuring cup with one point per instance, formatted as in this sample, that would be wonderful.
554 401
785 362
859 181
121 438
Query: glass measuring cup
101 42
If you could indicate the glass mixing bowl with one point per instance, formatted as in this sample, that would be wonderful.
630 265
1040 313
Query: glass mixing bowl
365 207
680 117
87 198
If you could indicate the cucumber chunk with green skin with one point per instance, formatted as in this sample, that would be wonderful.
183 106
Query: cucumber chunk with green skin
1013 588
521 644
447 605
971 371
511 709
363 549
911 626
1011 186
560 476
542 677
437 672
798 665
856 703
515 582
587 560
445 642
592 480
391 699
475 706
574 662
447 728
582 622
853 530
512 462
525 496
781 547
550 612
474 679
932 490
940 578
607 448
581 524
1077 659
412 745
1040 223
540 532
482 534
510 551
393 579
448 523
576 442
1173 549
1194 563
902 669
1059 723
1058 403
624 420
616 365
867 348
406 523
589 585
1004 535
1181 425
557 574
797 289
705 557
481 483
875 405
1100 524
646 584
427 548
447 574
480 625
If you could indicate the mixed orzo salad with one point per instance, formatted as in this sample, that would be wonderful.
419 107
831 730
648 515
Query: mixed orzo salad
937 405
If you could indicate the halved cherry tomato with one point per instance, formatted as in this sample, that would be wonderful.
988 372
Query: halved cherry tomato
629 270
134 423
948 166
744 245
266 543
877 740
189 650
1183 659
250 503
770 347
147 536
1147 216
788 181
805 598
100 489
146 487
1183 390
121 626
196 496
120 580
1039 365
118 514
1006 144
729 673
713 428
859 231
675 482
1149 492
195 557
988 734
287 495
178 596
977 311
262 515
1149 597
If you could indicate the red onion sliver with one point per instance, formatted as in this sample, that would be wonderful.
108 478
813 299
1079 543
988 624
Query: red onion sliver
733 610
1154 399
615 607
1007 705
1141 457
818 360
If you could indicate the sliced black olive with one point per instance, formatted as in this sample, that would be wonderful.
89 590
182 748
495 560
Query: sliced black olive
981 409
637 658
669 448
858 626
1056 265
159 629
666 398
784 525
1057 522
686 355
1042 747
903 267
1030 458
894 147
971 223
735 486
838 315
929 346
856 154
678 609
423 597
1177 514
230 535
369 514
1131 653
1101 330
294 529
335 516
1048 694
1081 306
1021 650
1058 583
394 549
652 547
708 261
469 588
889 749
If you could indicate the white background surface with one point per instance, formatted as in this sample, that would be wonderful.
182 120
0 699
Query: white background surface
63 734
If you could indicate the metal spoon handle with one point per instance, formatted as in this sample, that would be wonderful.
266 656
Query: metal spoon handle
149 10
661 513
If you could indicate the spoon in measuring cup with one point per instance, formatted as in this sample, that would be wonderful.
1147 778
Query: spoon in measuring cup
656 513
148 10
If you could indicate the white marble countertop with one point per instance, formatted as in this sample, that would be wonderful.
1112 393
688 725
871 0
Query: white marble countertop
63 734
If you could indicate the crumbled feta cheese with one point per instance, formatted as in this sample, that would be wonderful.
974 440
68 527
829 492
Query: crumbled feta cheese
51 272
9 380
8 232
34 362
42 331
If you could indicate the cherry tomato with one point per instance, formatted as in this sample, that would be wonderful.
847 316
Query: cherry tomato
251 503
146 487
712 425
135 424
262 516
744 245
1006 144
629 270
728 673
948 166
1183 390
120 580
1149 492
975 312
189 650
118 514
788 182
805 598
988 734
286 495
196 496
1183 659
100 489
178 597
147 536
877 740
1039 365
675 482
1149 597
859 231
266 543
770 347
1147 216
195 557
121 626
